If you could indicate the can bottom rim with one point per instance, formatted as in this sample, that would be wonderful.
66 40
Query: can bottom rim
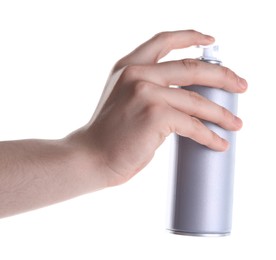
199 234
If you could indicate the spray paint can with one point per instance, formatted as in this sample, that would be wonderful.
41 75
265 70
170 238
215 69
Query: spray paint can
201 192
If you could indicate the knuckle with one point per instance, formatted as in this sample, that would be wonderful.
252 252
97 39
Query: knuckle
166 40
197 124
194 35
203 135
196 128
163 36
119 64
191 31
195 98
226 72
153 109
229 79
229 74
200 132
142 89
210 138
146 98
153 114
190 64
225 116
197 102
131 72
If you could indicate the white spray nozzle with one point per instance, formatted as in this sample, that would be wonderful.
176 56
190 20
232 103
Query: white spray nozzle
210 53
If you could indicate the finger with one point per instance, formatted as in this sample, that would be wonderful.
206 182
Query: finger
193 128
161 44
187 72
195 105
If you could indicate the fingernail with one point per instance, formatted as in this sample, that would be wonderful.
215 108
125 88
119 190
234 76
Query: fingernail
225 145
243 83
238 122
209 38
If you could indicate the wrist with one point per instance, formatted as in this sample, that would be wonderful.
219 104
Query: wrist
87 160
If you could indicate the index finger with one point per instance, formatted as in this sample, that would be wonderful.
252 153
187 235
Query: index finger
185 73
161 44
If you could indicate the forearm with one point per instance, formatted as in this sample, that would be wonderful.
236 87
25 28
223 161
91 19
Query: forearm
37 173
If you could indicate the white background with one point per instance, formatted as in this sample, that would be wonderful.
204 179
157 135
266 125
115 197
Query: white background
54 59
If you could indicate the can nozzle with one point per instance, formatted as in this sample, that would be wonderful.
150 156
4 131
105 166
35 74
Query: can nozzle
210 53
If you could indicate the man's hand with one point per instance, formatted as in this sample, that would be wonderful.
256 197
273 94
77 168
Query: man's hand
139 109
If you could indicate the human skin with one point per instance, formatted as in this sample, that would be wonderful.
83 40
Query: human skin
137 111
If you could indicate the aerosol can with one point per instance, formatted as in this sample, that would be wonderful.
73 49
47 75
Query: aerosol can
202 179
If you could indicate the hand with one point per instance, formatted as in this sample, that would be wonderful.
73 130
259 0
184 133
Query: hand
139 109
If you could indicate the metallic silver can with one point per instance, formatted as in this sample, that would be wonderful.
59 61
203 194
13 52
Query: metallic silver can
202 179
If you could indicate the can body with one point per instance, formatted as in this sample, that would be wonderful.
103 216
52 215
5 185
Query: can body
201 192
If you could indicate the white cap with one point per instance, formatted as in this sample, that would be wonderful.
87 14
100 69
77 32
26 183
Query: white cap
210 53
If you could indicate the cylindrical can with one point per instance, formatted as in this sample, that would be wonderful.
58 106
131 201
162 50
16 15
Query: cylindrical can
202 179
